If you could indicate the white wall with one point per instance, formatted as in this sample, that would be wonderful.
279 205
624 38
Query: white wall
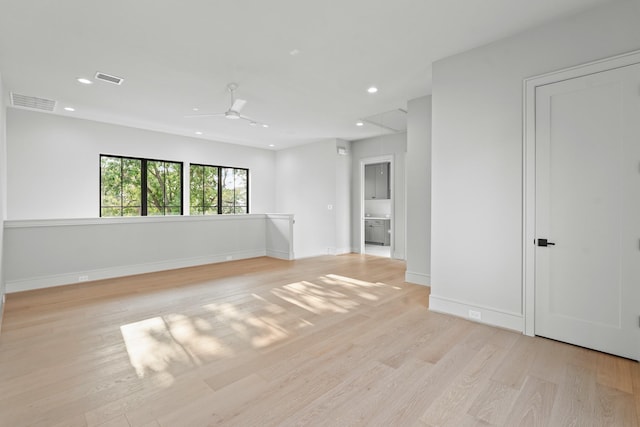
394 145
419 191
3 194
477 155
307 179
45 253
343 199
53 163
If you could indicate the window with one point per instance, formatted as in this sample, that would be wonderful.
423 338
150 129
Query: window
204 190
218 190
234 190
133 187
164 187
120 190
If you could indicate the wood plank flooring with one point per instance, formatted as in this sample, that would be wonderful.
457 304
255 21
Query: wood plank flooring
328 341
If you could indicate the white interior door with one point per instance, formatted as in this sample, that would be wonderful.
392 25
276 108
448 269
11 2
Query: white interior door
587 285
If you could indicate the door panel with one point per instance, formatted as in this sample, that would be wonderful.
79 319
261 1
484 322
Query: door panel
588 204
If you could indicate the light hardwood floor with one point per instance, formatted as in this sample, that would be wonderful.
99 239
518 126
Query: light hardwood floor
329 341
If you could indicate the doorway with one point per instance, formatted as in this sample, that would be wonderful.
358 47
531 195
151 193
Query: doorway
376 216
582 242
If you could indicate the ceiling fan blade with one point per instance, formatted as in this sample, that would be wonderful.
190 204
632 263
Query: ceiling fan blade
238 104
194 116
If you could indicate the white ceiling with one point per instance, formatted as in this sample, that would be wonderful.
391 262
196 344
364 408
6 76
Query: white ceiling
177 55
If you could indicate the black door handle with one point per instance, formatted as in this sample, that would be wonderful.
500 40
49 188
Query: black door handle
545 242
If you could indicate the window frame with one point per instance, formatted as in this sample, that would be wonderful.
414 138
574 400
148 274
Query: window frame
219 188
143 184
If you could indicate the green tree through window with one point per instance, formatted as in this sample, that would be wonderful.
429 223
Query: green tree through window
203 190
218 190
120 186
122 180
234 191
164 188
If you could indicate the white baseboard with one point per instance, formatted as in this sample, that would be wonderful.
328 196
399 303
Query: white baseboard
490 316
336 251
400 256
2 303
279 254
71 278
417 278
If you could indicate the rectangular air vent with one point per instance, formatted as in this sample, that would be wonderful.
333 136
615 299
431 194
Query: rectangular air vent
25 101
109 78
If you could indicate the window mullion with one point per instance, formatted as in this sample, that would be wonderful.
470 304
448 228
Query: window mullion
121 187
202 168
219 191
182 198
164 188
143 185
235 194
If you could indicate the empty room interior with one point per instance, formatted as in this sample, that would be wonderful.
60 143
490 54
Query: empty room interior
287 213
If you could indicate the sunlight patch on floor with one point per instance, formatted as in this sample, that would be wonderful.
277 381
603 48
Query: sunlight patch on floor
354 282
314 298
259 331
362 287
157 344
270 333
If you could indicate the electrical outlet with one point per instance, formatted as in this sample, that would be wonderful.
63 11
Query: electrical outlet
83 278
476 315
229 257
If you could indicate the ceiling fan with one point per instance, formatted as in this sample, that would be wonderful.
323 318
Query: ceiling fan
233 113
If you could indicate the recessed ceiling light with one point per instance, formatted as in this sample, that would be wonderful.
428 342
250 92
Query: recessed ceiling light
69 109
272 145
294 52
84 81
265 126
359 124
372 89
195 109
198 133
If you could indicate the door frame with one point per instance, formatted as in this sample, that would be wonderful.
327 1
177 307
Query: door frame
529 167
373 160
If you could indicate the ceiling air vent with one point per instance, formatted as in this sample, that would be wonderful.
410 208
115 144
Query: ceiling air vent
25 101
109 78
